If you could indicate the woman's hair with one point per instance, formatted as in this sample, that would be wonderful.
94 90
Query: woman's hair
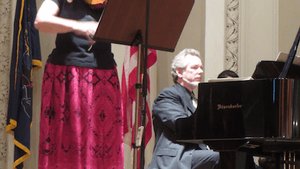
179 61
93 3
227 73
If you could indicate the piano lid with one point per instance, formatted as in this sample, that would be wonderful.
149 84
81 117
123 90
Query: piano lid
272 69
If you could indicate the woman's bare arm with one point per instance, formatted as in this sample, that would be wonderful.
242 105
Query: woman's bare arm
47 21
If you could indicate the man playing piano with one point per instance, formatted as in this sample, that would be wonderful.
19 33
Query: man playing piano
177 102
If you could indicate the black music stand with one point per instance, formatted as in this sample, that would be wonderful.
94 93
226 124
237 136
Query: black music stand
128 21
122 19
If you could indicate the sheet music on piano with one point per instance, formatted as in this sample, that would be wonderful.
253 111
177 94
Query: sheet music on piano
282 57
229 79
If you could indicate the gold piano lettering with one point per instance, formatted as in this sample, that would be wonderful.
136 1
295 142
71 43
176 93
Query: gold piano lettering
230 106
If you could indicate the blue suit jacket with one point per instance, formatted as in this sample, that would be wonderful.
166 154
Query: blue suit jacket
172 103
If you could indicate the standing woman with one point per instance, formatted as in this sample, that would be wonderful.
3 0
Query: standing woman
81 120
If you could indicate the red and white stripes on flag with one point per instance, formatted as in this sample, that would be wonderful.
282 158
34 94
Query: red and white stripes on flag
129 77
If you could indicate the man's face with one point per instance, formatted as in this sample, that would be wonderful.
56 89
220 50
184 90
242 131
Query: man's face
193 71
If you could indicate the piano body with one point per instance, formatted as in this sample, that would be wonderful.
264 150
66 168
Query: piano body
260 117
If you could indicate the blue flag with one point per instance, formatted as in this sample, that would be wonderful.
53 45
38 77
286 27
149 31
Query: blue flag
26 57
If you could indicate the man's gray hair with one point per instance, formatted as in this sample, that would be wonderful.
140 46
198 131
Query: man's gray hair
179 61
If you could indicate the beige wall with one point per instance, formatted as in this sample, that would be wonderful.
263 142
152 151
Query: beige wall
265 28
289 23
192 36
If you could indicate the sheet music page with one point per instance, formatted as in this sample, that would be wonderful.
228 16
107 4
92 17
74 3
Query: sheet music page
229 79
282 57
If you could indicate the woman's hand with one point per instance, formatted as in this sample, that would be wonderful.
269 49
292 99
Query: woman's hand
47 21
87 29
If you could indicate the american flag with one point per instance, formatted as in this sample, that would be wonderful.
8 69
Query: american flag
129 78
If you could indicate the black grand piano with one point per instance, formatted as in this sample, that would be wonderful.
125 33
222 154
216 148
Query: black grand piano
260 117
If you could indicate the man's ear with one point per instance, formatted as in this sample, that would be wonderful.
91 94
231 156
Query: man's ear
179 72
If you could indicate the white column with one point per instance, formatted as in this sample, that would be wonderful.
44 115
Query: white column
214 38
258 33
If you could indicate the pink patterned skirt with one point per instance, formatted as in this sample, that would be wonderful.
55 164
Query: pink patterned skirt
81 120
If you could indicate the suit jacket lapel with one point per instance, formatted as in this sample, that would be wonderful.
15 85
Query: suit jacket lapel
186 98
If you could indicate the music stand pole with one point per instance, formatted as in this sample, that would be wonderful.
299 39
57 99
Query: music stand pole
141 83
144 91
138 130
